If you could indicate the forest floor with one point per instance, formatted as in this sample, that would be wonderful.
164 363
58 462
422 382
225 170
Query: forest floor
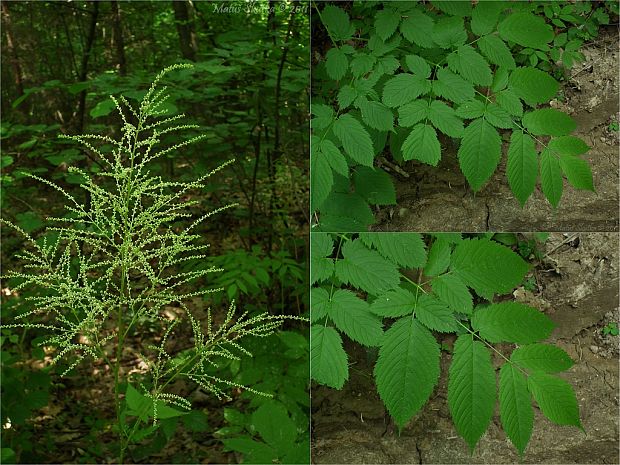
438 198
577 287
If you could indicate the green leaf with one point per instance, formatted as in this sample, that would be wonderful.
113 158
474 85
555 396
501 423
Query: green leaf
453 291
507 100
7 455
500 79
479 153
405 249
374 185
438 257
386 22
352 316
542 357
274 425
445 119
253 451
471 109
434 314
412 113
394 303
407 369
140 405
484 17
321 268
321 179
324 116
568 145
449 32
512 322
337 23
422 144
328 360
522 166
578 172
515 407
346 96
319 303
471 389
452 86
556 399
344 212
453 7
418 65
496 51
403 88
417 28
526 29
377 116
488 267
498 117
551 177
103 108
355 139
549 122
533 86
334 157
366 269
336 63
471 65
362 63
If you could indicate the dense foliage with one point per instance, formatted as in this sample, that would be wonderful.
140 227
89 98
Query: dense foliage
247 90
443 283
408 80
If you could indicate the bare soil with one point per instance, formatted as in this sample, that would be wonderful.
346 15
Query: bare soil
577 287
439 198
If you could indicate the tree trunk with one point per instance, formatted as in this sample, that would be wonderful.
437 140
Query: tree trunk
185 28
117 33
90 40
17 69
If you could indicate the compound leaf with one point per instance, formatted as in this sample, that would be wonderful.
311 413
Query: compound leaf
321 267
422 144
438 257
526 29
497 116
471 65
352 316
377 116
366 269
374 185
418 65
471 109
555 397
405 249
522 166
577 171
471 389
394 303
515 407
496 51
542 357
484 17
434 314
507 100
479 153
512 322
451 290
532 85
403 88
417 28
412 113
407 369
568 145
337 22
322 179
551 177
488 267
445 119
319 303
452 86
355 139
336 63
386 23
334 157
549 122
449 32
327 357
